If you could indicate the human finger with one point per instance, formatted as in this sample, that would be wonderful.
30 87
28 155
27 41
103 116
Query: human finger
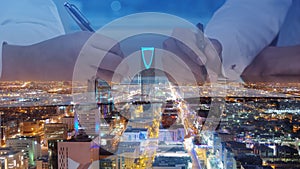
185 72
105 43
101 58
187 41
213 63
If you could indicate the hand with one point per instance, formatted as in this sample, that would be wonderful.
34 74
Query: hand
54 59
197 60
275 61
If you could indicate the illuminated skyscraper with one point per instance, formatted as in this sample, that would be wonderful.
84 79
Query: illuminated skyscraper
87 117
10 159
29 146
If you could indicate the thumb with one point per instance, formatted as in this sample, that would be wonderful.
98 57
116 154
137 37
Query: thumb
214 62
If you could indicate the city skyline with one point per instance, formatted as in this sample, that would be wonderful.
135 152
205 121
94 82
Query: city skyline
254 115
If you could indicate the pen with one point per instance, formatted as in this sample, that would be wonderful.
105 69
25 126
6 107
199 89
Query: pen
201 44
200 37
81 21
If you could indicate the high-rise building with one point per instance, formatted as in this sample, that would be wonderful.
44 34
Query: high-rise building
10 159
87 117
53 154
99 104
79 152
54 133
29 146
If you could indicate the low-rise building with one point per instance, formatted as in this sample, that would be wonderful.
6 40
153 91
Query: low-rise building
69 120
42 163
55 131
164 162
134 134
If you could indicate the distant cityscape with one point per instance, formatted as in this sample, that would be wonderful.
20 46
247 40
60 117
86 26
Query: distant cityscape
149 124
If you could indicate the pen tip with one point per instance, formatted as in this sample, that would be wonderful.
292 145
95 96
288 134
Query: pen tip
200 26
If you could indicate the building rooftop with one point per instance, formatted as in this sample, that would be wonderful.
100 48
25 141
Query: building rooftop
44 159
80 138
161 161
171 149
122 150
129 144
130 129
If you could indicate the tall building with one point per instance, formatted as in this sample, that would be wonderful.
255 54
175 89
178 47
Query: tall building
103 97
53 154
29 146
87 117
98 105
79 152
10 159
102 92
54 133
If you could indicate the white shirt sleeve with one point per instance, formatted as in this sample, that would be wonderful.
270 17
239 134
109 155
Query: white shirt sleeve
24 22
244 28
